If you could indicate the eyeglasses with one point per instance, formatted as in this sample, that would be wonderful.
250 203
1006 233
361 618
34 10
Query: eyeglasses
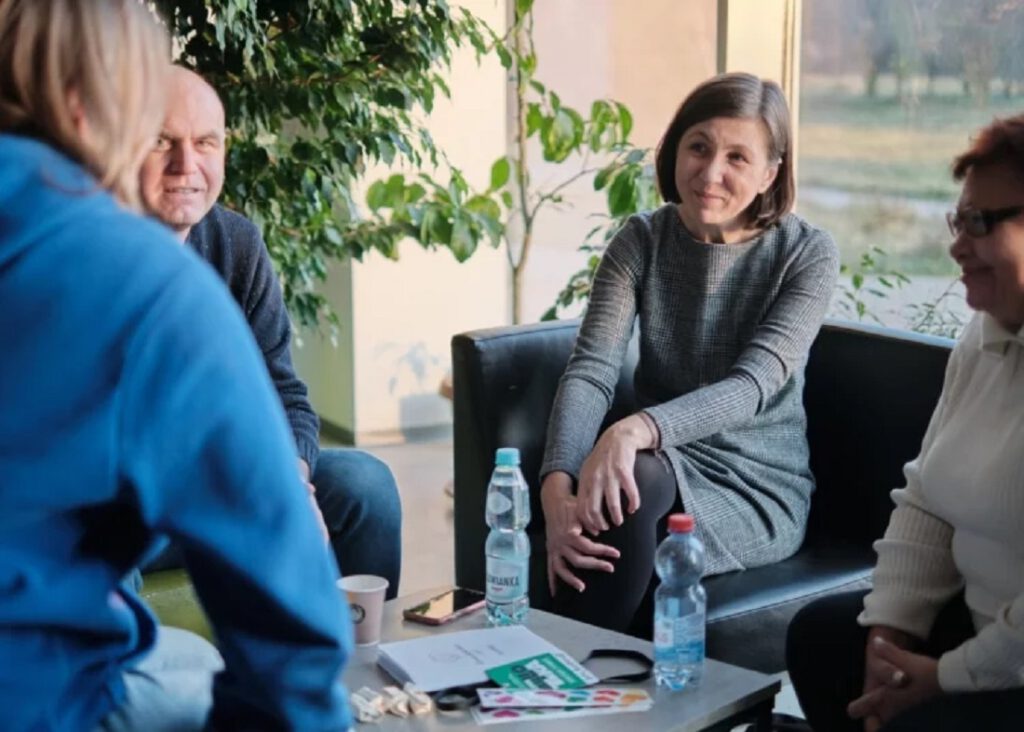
978 222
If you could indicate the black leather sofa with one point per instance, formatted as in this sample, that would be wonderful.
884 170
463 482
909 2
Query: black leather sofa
869 394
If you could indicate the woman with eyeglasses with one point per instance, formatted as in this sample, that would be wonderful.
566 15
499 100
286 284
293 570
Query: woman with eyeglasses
938 643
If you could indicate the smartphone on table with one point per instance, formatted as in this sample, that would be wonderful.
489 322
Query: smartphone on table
445 607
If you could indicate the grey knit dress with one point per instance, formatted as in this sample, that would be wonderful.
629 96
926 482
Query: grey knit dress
724 335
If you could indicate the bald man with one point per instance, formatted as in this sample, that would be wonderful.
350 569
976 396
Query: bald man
181 180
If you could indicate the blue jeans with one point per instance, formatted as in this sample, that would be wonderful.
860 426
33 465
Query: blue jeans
170 690
358 498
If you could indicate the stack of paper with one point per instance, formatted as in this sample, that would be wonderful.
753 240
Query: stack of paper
463 658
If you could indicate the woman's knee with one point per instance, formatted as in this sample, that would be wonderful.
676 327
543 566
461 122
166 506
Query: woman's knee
655 481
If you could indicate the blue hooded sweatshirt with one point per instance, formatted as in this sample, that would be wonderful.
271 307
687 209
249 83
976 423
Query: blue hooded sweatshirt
134 405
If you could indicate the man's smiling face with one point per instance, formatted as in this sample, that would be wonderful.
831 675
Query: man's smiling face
183 175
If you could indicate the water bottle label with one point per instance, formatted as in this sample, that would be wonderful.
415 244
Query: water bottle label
664 633
690 638
680 638
498 503
506 580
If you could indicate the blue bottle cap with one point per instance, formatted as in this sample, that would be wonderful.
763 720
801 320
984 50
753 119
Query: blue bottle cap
507 457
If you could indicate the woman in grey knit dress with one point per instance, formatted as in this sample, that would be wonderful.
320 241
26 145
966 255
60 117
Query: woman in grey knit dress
728 290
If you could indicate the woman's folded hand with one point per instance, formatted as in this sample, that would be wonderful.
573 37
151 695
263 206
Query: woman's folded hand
567 547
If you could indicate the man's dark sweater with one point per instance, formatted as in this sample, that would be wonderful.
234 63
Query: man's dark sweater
234 247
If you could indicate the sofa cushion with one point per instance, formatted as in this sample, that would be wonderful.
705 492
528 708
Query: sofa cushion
749 612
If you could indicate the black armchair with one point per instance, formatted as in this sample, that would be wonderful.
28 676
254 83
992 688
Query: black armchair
869 395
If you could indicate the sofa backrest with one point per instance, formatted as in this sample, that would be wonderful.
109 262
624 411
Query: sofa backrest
869 394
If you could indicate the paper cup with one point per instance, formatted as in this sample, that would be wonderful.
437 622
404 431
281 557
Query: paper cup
365 604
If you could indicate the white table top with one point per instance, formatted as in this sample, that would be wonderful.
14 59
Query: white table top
724 690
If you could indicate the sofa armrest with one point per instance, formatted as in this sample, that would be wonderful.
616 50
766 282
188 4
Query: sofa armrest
505 381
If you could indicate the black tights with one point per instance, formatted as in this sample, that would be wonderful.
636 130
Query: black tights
622 600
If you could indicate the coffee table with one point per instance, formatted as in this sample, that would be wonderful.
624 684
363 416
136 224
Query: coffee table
727 696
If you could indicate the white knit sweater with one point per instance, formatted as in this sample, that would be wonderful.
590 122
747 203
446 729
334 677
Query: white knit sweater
960 520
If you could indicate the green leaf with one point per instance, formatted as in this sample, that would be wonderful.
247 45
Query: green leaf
395 190
303 151
857 280
625 120
500 172
484 206
332 235
528 64
561 136
463 243
506 198
441 229
534 118
503 56
376 195
414 193
601 179
635 156
427 226
622 195
523 7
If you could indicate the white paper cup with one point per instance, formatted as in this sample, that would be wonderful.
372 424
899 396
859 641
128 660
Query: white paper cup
365 604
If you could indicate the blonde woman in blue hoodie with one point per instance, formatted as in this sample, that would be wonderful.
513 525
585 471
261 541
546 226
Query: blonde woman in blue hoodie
134 405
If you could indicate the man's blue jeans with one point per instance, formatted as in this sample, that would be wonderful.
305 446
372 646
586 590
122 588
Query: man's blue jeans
358 498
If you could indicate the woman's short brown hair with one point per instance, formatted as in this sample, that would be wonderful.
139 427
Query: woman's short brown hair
104 61
743 96
1000 142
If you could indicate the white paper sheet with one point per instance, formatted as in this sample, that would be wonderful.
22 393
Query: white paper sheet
454 659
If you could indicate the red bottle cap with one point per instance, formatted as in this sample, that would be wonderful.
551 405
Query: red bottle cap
680 523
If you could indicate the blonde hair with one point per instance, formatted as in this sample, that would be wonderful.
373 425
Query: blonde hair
98 62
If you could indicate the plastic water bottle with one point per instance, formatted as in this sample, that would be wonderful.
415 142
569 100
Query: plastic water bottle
679 606
507 547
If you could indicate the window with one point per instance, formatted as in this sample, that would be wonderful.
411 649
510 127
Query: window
890 92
